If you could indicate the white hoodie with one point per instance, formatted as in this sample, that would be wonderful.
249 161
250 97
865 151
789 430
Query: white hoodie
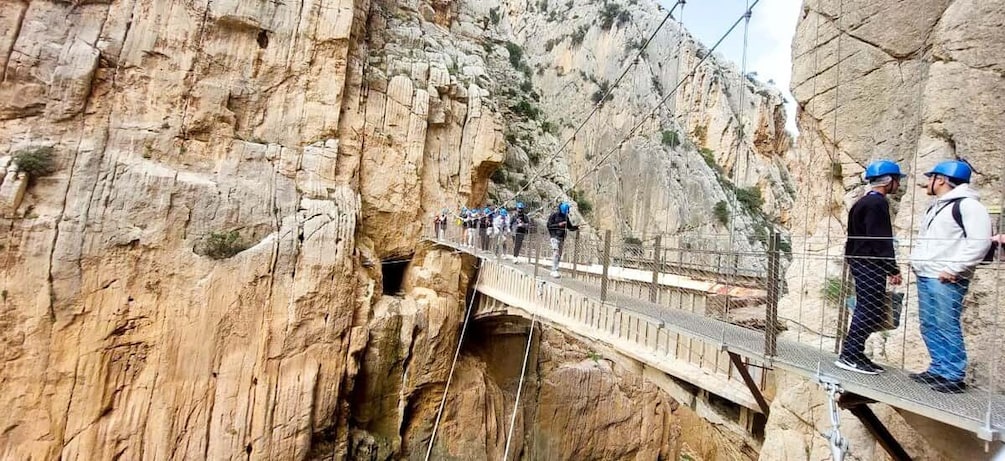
940 246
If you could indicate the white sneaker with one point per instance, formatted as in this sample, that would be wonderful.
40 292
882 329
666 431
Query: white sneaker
554 274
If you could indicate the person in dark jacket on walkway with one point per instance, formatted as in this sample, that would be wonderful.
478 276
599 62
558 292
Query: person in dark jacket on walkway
521 227
558 224
871 258
485 229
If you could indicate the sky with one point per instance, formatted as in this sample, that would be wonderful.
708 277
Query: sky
769 44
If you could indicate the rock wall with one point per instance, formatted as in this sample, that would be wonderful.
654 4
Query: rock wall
909 81
194 279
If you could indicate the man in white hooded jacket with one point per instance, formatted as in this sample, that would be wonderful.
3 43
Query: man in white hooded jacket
955 235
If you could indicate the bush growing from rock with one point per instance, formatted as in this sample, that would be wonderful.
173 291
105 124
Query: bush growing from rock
36 162
223 245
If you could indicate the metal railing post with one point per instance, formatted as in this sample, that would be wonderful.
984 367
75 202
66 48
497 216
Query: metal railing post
842 322
657 264
607 265
774 284
537 255
575 254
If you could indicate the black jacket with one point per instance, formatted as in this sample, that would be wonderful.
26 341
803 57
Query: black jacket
555 227
870 218
521 223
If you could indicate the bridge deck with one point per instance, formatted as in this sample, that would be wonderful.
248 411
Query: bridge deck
977 410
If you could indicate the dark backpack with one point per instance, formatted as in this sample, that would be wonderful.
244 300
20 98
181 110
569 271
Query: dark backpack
958 217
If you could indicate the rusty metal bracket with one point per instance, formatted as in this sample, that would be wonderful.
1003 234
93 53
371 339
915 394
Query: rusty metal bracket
859 407
754 390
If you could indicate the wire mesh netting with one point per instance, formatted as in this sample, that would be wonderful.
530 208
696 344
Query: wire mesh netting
887 326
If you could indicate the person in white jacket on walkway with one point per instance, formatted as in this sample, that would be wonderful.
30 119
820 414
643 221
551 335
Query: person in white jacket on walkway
955 235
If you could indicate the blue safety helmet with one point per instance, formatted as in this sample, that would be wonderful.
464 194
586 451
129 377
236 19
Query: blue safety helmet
503 212
464 209
519 205
487 210
882 168
955 170
563 207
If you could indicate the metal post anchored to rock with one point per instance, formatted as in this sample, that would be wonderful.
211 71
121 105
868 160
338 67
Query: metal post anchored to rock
774 284
575 255
657 267
607 265
537 255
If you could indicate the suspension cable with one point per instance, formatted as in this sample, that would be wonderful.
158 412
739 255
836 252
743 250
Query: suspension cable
733 171
599 104
453 365
834 156
519 389
804 260
919 98
662 101
743 94
673 109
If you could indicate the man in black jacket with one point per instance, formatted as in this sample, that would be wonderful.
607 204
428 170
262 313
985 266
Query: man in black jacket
872 260
558 224
521 227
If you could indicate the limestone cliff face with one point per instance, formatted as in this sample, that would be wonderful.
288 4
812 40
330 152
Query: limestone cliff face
876 80
916 82
194 279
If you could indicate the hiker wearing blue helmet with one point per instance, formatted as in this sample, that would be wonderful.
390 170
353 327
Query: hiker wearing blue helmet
954 238
872 260
558 224
521 227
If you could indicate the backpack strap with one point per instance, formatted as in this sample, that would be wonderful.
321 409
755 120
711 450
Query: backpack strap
958 216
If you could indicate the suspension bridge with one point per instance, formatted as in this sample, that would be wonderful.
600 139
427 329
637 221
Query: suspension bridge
681 326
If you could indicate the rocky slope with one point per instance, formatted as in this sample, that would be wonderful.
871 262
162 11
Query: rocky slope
913 82
199 197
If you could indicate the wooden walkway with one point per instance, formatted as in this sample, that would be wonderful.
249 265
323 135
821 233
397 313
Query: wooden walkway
694 347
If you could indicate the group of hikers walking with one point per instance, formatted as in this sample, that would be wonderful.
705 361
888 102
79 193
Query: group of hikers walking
490 229
953 239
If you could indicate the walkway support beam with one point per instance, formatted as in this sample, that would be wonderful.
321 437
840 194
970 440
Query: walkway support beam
876 428
607 265
749 381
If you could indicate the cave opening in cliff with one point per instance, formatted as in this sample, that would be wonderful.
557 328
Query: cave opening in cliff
393 273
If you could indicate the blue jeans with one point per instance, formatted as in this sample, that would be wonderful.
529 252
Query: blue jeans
940 307
870 307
